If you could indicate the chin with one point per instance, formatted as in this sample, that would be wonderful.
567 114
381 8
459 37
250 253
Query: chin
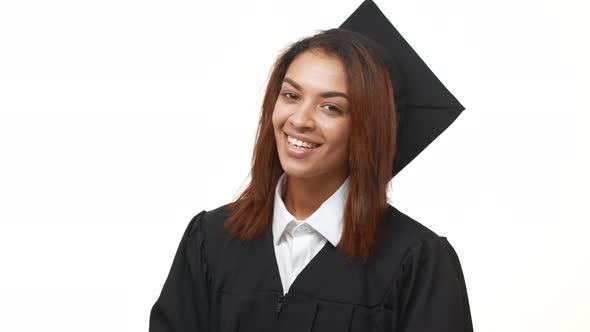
291 169
298 172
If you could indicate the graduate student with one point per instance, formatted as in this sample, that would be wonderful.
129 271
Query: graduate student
312 244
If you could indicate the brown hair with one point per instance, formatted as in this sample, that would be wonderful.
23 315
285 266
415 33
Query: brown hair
372 144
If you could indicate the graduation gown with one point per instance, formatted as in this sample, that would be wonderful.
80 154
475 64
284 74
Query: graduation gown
412 283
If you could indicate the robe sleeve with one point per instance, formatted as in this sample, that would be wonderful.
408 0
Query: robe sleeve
430 293
183 304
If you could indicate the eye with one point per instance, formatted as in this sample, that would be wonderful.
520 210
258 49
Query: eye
334 108
288 94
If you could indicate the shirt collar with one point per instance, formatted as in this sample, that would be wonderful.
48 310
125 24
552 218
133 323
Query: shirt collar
326 220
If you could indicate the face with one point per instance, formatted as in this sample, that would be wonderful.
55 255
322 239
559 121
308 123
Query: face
313 107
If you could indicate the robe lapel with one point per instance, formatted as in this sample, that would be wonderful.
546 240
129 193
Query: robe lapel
328 272
319 272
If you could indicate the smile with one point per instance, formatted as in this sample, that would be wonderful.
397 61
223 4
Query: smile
301 144
297 151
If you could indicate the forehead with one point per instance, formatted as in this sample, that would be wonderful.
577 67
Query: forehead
316 70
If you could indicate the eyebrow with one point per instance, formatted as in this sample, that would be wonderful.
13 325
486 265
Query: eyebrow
326 94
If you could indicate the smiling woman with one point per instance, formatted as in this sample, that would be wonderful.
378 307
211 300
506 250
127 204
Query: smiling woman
330 89
312 243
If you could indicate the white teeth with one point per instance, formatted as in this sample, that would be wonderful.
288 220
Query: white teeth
297 142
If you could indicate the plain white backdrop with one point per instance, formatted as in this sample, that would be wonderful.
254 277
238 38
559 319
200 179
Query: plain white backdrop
120 120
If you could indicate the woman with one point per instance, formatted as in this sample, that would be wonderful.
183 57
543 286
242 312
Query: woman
312 243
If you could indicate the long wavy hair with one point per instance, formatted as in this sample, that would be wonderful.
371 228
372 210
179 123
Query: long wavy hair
372 144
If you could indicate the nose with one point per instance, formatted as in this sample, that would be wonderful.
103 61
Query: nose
303 117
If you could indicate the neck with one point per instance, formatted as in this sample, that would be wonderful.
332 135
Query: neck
302 196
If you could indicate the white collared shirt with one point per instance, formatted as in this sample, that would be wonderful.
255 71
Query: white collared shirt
296 242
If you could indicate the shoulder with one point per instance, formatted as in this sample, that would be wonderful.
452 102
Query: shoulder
209 223
414 246
400 227
403 238
212 218
427 279
415 250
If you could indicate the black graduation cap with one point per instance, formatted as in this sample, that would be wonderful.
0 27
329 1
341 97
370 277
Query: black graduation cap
425 107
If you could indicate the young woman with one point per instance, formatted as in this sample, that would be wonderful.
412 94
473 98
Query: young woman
312 243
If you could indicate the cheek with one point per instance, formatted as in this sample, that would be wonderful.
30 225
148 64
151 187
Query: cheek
339 134
341 143
279 116
275 118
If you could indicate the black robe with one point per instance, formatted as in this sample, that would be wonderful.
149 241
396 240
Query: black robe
412 283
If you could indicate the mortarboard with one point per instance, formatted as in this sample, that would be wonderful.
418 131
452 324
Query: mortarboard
425 107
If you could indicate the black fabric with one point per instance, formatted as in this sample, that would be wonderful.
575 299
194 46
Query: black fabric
413 283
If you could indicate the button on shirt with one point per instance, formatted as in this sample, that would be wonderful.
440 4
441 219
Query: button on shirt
296 242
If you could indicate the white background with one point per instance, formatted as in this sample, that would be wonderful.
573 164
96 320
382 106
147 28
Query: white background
120 120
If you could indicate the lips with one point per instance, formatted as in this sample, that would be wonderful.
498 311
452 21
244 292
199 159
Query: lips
291 140
301 138
298 152
301 144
